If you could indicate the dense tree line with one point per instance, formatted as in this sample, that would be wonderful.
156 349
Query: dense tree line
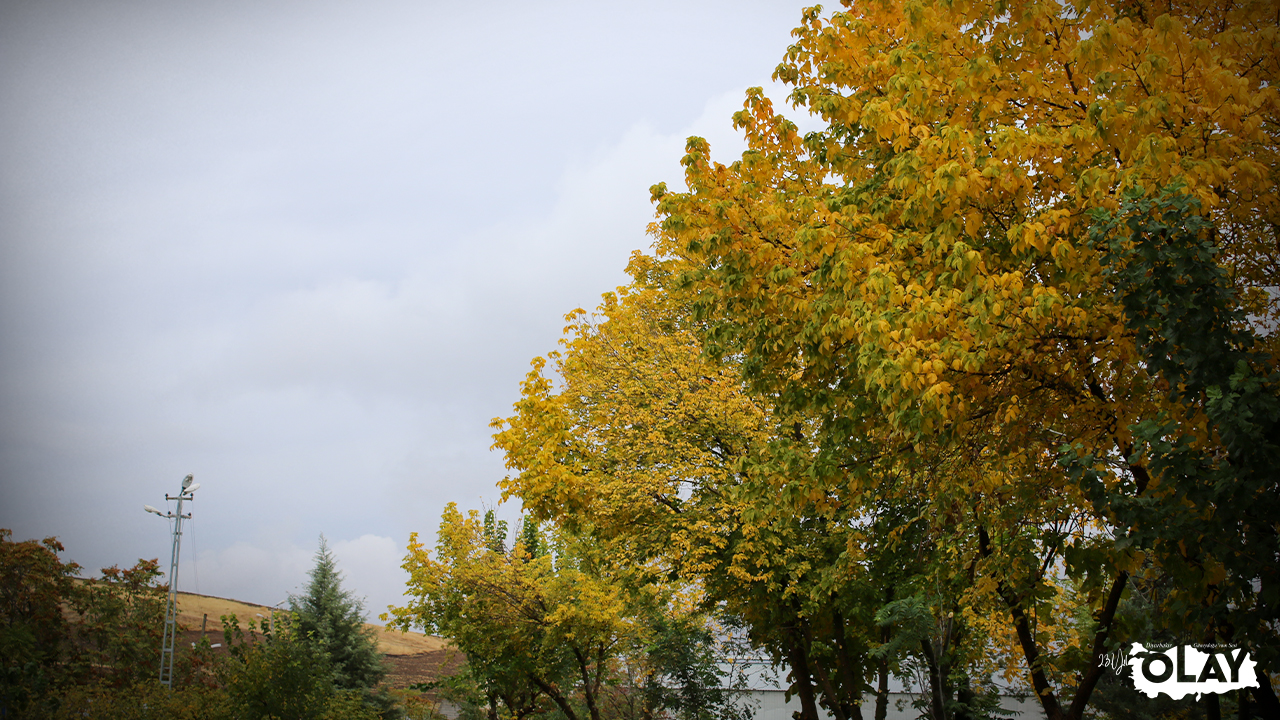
76 648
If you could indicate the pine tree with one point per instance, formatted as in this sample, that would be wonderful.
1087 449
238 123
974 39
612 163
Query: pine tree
332 616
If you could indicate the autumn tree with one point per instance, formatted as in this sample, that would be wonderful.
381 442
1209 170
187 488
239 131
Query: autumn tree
118 623
58 631
663 454
920 278
550 623
34 584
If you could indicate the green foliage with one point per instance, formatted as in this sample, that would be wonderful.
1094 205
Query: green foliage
56 632
929 642
120 621
1141 617
471 695
72 649
283 674
1210 513
359 705
684 678
143 700
332 618
34 583
554 624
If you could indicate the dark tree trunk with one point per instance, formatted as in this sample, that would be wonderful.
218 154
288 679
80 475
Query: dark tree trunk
590 688
850 667
937 693
1212 710
882 687
1031 652
1268 707
560 700
803 678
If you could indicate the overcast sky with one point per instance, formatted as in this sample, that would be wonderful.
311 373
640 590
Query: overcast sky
306 251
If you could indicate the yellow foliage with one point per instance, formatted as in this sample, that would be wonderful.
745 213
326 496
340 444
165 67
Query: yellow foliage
919 273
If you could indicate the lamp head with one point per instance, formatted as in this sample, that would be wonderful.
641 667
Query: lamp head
186 482
194 487
152 510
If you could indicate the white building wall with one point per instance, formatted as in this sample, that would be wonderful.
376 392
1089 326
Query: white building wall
772 705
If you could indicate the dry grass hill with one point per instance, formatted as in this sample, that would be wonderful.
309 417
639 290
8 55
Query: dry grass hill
412 657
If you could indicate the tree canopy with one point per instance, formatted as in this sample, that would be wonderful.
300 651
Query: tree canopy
332 618
1003 329
550 622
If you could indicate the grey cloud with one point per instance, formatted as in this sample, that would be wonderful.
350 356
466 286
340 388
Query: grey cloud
307 250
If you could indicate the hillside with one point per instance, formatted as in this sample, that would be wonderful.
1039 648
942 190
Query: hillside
412 657
193 608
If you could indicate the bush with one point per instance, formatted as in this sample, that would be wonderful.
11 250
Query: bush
147 700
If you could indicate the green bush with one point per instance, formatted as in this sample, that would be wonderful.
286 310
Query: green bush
146 700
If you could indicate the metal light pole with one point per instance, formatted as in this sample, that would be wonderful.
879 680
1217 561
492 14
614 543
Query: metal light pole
171 611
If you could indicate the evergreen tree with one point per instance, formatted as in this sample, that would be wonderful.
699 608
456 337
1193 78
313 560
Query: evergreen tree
332 617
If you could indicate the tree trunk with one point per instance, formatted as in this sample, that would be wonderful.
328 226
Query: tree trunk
589 687
1212 710
850 671
1105 619
560 700
937 699
803 678
834 700
1031 652
1268 707
882 687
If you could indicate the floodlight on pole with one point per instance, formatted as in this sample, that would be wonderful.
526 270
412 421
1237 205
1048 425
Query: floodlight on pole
171 611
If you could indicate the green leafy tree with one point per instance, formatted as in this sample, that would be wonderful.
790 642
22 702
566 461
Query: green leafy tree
1210 523
119 623
92 642
683 677
283 673
331 617
921 276
555 624
33 585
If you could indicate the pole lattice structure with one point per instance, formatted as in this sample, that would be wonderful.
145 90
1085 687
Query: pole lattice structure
171 610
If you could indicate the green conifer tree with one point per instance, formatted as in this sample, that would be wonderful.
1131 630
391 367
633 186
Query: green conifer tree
332 617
